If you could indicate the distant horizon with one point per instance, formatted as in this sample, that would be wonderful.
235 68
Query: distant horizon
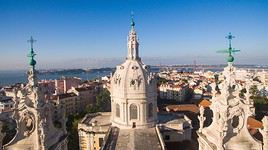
8 77
156 65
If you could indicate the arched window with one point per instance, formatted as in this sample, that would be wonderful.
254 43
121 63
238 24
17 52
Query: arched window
117 110
150 110
133 111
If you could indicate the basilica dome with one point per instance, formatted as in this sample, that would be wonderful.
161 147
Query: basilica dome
133 90
134 81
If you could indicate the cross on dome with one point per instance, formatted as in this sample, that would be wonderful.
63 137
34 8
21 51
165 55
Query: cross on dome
31 55
230 50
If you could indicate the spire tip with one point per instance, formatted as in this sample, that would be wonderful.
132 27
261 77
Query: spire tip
132 19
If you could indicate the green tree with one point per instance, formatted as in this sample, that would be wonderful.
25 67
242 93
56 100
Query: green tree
103 101
161 81
4 127
91 109
259 100
10 131
254 91
72 129
57 124
184 80
242 92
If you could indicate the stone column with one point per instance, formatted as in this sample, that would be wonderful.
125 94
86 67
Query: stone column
124 112
91 139
112 110
264 132
155 110
2 135
144 112
220 142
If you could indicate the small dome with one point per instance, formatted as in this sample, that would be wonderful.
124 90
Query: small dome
32 62
230 58
132 23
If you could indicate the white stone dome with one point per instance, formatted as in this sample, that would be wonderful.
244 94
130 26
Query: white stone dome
134 81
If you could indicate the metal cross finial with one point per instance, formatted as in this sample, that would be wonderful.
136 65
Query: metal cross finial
230 37
132 14
230 50
31 41
132 19
31 54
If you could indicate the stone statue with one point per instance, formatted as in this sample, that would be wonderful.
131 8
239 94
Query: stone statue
201 118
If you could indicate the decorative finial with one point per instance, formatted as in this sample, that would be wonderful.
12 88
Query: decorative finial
230 37
31 41
132 19
230 50
31 55
133 44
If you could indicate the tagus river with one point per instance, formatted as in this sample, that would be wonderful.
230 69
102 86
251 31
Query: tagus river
11 77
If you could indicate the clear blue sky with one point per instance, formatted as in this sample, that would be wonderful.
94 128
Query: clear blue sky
76 33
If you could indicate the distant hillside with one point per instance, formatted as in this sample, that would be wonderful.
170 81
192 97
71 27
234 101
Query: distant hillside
75 71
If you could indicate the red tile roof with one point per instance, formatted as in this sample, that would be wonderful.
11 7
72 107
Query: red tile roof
205 103
184 107
253 123
81 89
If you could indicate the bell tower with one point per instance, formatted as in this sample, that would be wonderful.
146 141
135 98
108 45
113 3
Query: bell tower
133 44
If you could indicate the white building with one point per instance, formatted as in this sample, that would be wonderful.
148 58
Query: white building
92 130
6 104
263 76
173 92
133 118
